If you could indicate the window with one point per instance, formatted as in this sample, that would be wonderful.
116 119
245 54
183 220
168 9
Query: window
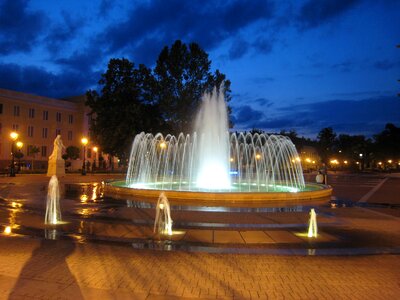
44 133
15 127
70 119
44 151
58 117
45 115
58 131
16 111
69 135
30 131
1 108
31 113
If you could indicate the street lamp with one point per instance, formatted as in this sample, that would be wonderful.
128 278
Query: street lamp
13 135
95 149
19 146
84 142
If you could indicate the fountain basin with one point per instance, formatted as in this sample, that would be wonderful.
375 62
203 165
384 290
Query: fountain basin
312 194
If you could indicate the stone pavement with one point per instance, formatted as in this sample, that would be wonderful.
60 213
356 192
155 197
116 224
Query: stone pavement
35 268
43 269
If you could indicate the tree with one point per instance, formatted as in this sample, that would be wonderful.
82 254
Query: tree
124 107
71 152
326 142
387 142
33 150
182 75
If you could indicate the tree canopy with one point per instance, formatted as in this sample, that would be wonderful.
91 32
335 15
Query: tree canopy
164 99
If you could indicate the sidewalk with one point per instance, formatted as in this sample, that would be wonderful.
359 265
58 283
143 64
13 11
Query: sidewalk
109 267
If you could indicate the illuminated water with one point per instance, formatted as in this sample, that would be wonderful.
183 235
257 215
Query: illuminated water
163 221
312 224
53 212
212 159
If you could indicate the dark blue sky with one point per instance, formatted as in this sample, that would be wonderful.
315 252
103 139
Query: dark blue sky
300 65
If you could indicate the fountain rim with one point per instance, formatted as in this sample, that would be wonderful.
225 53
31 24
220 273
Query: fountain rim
208 198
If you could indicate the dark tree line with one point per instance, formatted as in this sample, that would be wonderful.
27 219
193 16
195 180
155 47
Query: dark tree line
164 99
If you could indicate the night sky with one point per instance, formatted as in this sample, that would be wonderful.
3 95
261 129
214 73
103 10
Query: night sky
294 65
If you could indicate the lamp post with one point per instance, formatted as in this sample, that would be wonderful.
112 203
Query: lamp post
95 149
19 146
84 142
13 136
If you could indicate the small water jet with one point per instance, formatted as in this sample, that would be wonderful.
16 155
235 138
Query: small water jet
163 221
53 211
312 225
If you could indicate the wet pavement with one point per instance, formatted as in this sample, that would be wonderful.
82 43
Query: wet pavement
347 227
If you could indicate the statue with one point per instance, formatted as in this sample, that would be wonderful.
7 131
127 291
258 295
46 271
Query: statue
56 163
57 150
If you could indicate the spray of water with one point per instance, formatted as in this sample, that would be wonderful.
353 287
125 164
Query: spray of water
312 225
53 212
163 221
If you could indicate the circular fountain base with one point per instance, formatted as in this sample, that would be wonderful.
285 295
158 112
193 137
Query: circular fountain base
315 194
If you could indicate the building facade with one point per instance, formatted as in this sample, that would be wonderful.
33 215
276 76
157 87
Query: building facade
38 120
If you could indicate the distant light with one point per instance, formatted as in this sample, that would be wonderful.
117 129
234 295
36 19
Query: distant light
20 144
389 161
163 145
84 141
95 149
308 160
361 155
14 135
380 163
340 151
345 162
231 160
258 156
7 230
298 158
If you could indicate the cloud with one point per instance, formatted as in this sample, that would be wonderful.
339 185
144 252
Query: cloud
41 82
385 64
60 34
162 22
264 102
20 29
246 115
315 12
238 49
366 116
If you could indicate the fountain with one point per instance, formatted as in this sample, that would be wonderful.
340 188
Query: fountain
163 221
312 225
53 212
214 166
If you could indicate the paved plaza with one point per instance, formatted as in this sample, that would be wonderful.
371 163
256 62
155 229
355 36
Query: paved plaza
103 252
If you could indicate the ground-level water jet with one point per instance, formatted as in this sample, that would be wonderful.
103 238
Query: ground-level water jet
163 220
53 211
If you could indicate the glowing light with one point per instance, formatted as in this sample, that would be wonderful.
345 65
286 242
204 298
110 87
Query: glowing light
16 204
95 149
84 141
258 156
19 144
380 163
308 160
163 145
312 226
161 206
357 162
313 161
298 158
389 161
345 162
14 135
83 198
334 162
231 160
7 230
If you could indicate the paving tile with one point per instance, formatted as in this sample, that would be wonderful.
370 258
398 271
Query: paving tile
198 235
227 236
283 236
256 237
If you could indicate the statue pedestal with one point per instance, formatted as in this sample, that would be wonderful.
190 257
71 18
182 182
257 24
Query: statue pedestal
56 167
